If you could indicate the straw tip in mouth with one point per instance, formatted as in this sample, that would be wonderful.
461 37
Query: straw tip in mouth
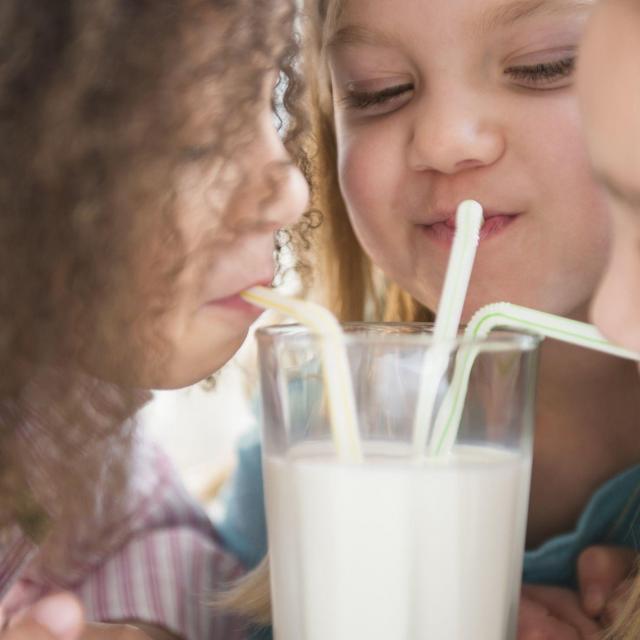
471 209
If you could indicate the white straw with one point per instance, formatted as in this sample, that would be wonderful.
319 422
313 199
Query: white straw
509 316
469 220
335 366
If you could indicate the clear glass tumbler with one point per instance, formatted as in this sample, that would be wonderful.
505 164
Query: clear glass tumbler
400 546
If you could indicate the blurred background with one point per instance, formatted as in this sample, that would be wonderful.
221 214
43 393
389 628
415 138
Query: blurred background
199 426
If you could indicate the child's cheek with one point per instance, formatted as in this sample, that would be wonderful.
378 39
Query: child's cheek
371 167
558 127
617 305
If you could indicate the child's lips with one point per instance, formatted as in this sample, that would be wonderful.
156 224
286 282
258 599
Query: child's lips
235 303
494 223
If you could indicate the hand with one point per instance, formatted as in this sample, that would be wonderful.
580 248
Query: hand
604 577
57 617
553 613
60 617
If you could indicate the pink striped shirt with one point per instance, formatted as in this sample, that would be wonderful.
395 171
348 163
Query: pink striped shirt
168 564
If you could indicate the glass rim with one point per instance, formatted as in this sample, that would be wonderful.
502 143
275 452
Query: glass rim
415 333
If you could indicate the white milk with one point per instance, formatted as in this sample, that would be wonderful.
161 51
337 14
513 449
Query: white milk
393 549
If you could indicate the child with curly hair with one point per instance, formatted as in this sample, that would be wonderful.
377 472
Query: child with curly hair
142 180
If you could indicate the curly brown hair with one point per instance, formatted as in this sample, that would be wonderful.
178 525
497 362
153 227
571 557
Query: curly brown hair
97 115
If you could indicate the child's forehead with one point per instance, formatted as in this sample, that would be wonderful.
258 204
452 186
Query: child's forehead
246 34
485 16
223 55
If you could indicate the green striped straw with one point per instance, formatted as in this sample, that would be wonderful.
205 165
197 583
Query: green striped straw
469 219
335 365
508 316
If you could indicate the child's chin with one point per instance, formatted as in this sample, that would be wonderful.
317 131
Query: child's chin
207 364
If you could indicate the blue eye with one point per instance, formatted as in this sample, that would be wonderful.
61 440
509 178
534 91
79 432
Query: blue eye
543 74
368 99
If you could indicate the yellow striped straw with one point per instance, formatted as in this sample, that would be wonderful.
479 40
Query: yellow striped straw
335 365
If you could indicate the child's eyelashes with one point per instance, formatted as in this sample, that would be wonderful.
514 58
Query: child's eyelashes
544 75
539 76
381 101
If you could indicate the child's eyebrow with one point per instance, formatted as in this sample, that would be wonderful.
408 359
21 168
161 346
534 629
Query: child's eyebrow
508 13
353 34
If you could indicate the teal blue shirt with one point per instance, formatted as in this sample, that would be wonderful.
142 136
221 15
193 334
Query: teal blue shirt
612 516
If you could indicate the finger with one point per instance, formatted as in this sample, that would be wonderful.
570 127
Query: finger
57 617
564 605
600 570
535 622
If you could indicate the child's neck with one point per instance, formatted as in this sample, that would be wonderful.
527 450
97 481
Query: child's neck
588 417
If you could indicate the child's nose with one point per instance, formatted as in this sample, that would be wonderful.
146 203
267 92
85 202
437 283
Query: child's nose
291 197
452 136
285 189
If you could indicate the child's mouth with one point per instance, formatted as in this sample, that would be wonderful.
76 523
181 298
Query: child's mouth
493 224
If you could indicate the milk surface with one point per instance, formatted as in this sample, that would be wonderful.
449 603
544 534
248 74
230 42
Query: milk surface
396 549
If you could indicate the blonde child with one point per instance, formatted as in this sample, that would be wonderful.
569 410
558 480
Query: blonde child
142 181
419 105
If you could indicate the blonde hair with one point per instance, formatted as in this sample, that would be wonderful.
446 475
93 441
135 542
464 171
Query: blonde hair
627 625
